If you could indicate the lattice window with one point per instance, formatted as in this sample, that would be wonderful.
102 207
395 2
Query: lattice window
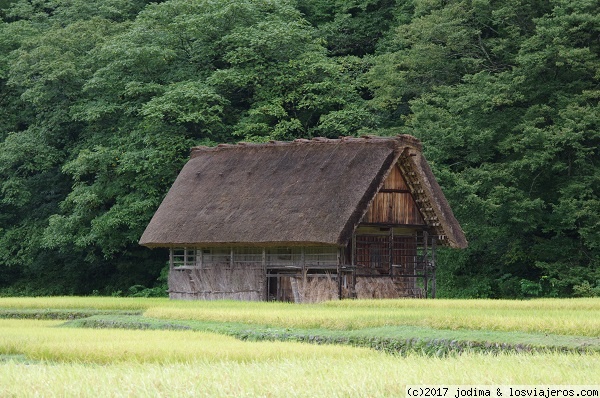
248 255
320 255
373 251
402 253
283 256
185 257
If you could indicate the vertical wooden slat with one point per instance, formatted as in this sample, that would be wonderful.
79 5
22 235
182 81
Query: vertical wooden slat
395 180
433 276
394 207
353 259
264 267
425 259
339 273
391 250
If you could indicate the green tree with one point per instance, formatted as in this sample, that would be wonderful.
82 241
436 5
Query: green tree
353 27
43 66
117 97
504 96
100 102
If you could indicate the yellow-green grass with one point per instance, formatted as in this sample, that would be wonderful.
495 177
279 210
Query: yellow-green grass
371 376
42 340
77 303
579 317
58 362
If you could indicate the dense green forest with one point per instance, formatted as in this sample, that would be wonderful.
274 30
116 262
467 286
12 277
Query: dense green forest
100 102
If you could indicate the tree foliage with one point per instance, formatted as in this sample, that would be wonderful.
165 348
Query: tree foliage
507 105
100 103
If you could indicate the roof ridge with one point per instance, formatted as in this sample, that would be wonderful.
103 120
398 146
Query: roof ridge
402 139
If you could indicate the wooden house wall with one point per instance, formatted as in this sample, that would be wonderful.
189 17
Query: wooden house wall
380 252
394 204
218 282
390 262
270 257
253 273
386 263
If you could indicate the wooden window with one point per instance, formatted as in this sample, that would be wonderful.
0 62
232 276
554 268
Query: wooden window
186 257
382 253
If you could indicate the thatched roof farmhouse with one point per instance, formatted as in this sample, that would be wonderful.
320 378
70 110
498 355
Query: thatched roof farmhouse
305 221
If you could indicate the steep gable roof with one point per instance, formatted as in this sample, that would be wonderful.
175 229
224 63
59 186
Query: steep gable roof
285 193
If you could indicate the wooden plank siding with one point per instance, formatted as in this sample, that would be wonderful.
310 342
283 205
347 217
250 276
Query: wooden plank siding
394 204
395 180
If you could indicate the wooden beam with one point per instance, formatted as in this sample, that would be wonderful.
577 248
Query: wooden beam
388 190
433 276
425 259
339 273
264 267
391 250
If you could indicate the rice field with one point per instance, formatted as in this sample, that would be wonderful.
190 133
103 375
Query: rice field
92 302
39 358
372 376
45 361
566 317
44 341
579 317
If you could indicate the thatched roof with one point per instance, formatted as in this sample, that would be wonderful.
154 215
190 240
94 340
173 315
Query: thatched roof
290 193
